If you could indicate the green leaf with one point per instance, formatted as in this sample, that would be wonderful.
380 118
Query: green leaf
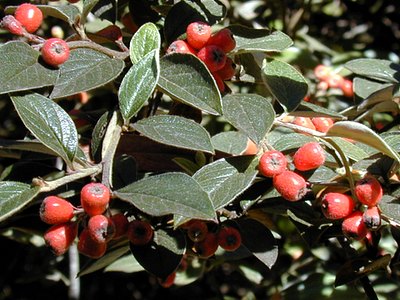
20 70
390 207
49 123
14 196
138 85
88 5
264 40
226 178
163 255
307 109
363 134
350 150
185 78
231 142
85 69
288 141
175 131
377 69
169 193
365 88
125 264
145 40
250 113
285 83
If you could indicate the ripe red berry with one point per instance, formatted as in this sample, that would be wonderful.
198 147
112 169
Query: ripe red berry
337 205
322 124
101 228
304 122
228 71
196 230
251 148
213 57
372 218
347 88
207 247
223 39
73 1
55 210
309 156
139 232
95 198
229 238
89 247
272 163
169 281
218 80
180 46
121 225
368 191
60 237
290 185
354 227
335 81
197 34
30 16
322 72
12 25
55 52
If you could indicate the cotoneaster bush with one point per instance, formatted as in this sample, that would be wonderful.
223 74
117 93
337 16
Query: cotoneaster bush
191 145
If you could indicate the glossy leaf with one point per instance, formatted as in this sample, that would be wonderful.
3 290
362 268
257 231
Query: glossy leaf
125 264
14 196
138 85
145 40
169 193
250 113
49 123
377 69
285 83
175 131
20 69
231 142
88 5
185 78
85 69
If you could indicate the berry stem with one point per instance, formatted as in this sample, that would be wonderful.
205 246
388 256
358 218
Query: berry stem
97 47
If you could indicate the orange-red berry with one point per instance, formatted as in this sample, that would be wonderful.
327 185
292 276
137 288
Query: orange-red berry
196 230
322 124
121 224
372 218
347 88
229 238
218 80
304 122
55 210
169 281
309 156
322 72
60 237
55 52
228 70
272 163
354 227
12 25
140 232
207 247
30 16
290 185
335 81
89 247
197 34
95 198
368 191
180 46
101 228
223 39
213 57
337 205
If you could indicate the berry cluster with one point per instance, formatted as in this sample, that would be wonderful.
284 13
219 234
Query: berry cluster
26 20
211 48
329 79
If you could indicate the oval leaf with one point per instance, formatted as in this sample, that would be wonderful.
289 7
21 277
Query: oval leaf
285 83
49 123
169 193
138 85
175 131
185 78
378 69
250 113
145 40
231 142
14 196
18 64
85 69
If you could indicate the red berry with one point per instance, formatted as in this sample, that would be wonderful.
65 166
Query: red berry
121 225
139 232
337 205
207 247
218 80
180 46
223 39
229 238
272 163
55 52
213 57
309 156
353 226
322 124
12 25
368 191
89 247
60 237
290 185
55 210
197 34
372 218
73 1
228 71
304 122
30 16
347 88
128 22
95 198
196 230
169 281
101 228
251 148
322 72
335 81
